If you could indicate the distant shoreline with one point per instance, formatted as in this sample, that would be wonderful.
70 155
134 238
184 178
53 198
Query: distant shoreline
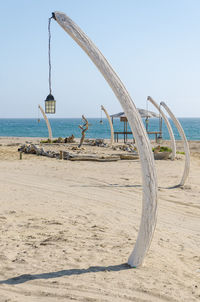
16 140
104 118
106 139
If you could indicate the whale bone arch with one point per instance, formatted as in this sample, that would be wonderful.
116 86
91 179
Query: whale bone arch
186 145
149 178
47 122
111 125
171 134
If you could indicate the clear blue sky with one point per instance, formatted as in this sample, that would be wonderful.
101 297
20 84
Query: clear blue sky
153 45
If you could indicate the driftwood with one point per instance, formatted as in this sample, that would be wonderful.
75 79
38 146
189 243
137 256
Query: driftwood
149 207
127 147
84 128
94 158
129 156
60 140
69 139
111 157
33 149
99 142
186 145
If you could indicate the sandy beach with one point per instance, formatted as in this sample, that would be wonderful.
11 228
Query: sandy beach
68 228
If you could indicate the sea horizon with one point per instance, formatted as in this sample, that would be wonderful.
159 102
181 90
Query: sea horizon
64 127
52 117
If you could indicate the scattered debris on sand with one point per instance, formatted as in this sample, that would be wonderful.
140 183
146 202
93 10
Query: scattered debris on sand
76 154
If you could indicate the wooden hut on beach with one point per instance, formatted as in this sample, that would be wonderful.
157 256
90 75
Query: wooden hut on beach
144 114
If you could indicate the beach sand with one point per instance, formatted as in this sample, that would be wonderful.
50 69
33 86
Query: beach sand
68 228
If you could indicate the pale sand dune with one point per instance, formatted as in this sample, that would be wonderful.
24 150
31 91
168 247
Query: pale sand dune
67 229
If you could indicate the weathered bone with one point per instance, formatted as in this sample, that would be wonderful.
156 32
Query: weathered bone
171 134
111 125
47 122
149 207
186 145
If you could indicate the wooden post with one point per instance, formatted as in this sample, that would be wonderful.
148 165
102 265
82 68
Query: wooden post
20 155
61 154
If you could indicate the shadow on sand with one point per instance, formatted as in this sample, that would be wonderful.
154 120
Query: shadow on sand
93 269
106 186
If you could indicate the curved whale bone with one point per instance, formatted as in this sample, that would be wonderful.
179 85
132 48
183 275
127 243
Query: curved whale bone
149 205
111 125
171 134
47 122
186 145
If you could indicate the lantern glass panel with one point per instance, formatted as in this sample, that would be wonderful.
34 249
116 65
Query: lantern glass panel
50 106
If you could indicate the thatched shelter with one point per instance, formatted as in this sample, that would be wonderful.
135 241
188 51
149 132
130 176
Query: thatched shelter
144 114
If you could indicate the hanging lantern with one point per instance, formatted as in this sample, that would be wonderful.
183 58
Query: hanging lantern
50 104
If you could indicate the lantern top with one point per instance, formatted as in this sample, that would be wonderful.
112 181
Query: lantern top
49 97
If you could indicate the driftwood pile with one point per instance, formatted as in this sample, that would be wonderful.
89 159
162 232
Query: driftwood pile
59 140
132 155
33 149
65 140
126 147
99 142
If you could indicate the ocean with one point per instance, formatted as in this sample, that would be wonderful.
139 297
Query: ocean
64 127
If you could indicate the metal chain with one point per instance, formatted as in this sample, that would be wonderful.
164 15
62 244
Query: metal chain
147 109
49 53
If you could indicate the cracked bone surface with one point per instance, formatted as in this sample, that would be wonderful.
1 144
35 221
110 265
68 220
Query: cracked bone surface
47 122
171 134
186 145
111 125
149 178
